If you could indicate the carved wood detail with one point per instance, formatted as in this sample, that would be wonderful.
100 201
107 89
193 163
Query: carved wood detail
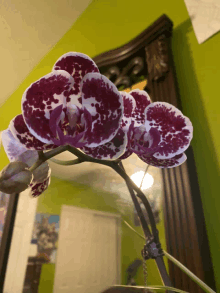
157 58
150 55
128 75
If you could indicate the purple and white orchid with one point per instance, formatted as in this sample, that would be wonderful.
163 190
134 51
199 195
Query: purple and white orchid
76 105
159 133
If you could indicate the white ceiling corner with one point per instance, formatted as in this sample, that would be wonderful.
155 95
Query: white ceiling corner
29 29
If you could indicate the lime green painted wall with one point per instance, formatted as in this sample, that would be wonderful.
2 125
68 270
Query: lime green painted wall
107 24
71 193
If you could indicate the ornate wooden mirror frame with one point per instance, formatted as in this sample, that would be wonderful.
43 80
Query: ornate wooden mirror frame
150 55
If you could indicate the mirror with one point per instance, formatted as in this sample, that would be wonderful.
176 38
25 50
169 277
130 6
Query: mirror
149 55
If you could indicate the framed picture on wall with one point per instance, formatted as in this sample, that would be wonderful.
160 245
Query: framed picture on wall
45 236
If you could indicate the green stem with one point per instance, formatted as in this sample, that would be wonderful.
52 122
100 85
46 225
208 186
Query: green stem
159 259
81 157
160 288
46 156
66 163
140 194
199 282
87 158
138 209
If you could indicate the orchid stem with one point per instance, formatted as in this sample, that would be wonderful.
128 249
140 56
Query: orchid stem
140 194
86 158
45 156
138 209
66 163
159 259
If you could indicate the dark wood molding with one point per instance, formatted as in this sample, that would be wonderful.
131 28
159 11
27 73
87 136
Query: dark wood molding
157 58
149 55
161 26
32 276
7 237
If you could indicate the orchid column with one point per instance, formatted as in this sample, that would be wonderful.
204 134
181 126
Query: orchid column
75 108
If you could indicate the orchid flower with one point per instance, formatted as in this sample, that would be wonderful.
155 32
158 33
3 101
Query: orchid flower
159 133
73 105
117 146
76 105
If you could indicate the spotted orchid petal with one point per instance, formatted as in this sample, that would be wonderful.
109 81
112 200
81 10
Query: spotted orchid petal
175 129
77 65
142 100
126 154
21 133
111 150
129 107
11 145
41 174
128 150
41 98
38 188
164 163
103 109
145 142
118 145
55 127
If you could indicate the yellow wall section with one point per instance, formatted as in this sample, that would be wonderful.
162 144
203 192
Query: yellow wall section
107 24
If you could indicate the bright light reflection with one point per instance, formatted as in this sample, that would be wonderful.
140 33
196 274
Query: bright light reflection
147 182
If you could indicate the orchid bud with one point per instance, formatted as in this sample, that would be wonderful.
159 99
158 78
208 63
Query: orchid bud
15 178
40 173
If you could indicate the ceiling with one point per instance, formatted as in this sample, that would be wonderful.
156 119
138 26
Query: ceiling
29 29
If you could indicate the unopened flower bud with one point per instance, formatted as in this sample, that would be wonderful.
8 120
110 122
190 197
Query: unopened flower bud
40 173
15 178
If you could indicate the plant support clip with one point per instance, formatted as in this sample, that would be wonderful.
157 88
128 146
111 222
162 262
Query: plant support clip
152 250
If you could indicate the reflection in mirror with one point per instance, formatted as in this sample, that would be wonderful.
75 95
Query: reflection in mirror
90 183
4 199
140 85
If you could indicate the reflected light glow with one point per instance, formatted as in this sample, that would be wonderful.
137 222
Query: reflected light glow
147 182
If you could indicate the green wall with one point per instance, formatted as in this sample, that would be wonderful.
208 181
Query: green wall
71 193
107 24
